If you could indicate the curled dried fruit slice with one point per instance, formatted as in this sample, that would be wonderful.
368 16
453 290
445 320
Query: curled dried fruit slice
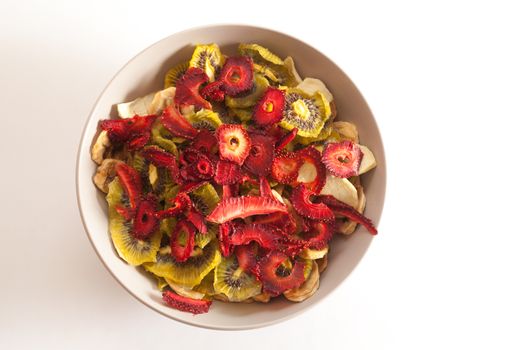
264 235
186 304
135 132
269 109
234 143
130 180
312 85
342 159
161 137
319 234
307 113
274 281
205 119
187 89
307 289
204 198
247 256
213 91
174 74
106 172
180 204
343 209
312 161
197 220
234 282
260 158
201 168
249 100
258 52
225 231
162 159
228 173
237 75
205 142
182 240
208 58
145 222
242 207
176 124
285 167
300 199
285 140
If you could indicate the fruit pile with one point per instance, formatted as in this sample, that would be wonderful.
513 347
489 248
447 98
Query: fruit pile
230 183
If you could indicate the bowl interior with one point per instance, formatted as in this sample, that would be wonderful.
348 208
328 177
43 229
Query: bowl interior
144 74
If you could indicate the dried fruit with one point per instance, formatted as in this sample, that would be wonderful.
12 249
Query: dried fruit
285 140
213 91
176 124
204 198
242 207
182 240
318 235
260 84
205 142
269 109
205 119
260 157
312 159
300 199
130 180
285 167
266 236
274 281
307 289
247 256
174 74
225 231
237 75
228 173
145 222
342 159
208 58
234 143
234 282
161 158
307 113
180 204
186 304
135 132
340 208
187 89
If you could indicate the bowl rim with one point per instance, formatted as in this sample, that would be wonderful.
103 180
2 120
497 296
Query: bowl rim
81 209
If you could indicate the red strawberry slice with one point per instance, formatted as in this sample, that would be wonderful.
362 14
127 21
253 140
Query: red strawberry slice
202 168
188 186
162 159
234 143
319 233
187 89
260 158
197 220
186 304
181 203
130 180
145 221
313 156
284 221
213 91
340 208
247 256
175 122
242 207
300 199
264 235
225 231
273 282
342 159
228 173
264 188
237 75
269 109
285 167
205 142
286 139
182 240
230 191
133 131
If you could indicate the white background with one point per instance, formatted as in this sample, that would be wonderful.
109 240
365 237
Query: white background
446 82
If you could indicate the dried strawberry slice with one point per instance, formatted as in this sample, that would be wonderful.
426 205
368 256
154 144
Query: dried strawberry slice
262 234
228 173
285 167
130 180
283 221
189 186
319 233
175 122
182 240
186 304
269 273
213 91
145 222
225 231
234 143
181 203
133 131
313 156
269 109
162 159
342 159
230 191
264 188
205 141
286 139
260 158
237 75
127 213
300 199
197 220
242 207
340 208
187 89
202 168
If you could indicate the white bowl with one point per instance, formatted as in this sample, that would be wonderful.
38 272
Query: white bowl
144 74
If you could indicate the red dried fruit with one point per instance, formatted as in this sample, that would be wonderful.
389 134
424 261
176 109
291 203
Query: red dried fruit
181 203
242 207
230 191
342 159
318 235
285 167
300 199
133 131
162 159
130 180
247 256
269 109
125 212
283 221
205 142
187 89
260 157
182 240
234 143
313 156
197 220
228 173
340 208
145 221
189 186
264 188
237 75
186 304
175 122
269 273
213 91
203 168
286 139
264 235
225 231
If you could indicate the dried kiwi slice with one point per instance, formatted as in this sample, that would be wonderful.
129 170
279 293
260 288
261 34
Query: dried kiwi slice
161 137
208 58
258 53
174 74
202 239
234 282
189 273
205 119
259 87
205 198
206 285
325 132
307 113
132 250
243 114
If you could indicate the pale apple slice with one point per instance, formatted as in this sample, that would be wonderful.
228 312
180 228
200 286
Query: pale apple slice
341 189
368 162
312 85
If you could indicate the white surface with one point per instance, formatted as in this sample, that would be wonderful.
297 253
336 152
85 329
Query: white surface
445 82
